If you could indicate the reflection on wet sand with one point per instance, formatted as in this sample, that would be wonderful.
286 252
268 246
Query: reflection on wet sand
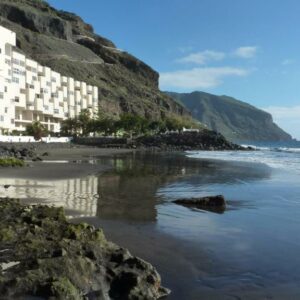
130 191
79 196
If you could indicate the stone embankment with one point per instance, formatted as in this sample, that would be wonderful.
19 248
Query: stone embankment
43 255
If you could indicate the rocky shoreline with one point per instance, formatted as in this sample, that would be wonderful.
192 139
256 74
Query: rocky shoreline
31 150
43 255
202 140
174 141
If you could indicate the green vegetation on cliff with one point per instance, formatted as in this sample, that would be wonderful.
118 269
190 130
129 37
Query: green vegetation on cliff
235 119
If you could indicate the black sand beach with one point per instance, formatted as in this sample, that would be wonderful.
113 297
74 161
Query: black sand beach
62 161
248 252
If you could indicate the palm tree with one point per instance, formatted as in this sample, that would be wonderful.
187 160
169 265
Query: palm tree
37 130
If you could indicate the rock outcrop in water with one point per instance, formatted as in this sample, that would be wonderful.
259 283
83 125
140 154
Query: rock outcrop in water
209 203
42 255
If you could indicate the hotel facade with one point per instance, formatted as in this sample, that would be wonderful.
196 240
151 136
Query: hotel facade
32 92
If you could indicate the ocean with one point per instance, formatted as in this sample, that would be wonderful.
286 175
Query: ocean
278 155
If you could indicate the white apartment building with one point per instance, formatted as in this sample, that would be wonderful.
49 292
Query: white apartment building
31 92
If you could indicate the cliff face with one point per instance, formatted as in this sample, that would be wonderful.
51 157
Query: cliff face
64 42
235 119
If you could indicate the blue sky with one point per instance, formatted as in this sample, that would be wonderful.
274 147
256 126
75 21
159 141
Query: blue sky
248 49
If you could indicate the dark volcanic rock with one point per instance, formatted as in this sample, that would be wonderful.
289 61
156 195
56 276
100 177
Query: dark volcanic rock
17 151
37 159
210 202
203 140
42 255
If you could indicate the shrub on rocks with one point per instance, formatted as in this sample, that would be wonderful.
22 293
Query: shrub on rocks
11 162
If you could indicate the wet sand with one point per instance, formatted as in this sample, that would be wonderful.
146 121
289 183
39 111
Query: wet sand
63 162
79 152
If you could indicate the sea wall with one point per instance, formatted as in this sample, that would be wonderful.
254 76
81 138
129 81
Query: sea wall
30 139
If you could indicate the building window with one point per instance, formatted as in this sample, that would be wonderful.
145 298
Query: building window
31 86
15 61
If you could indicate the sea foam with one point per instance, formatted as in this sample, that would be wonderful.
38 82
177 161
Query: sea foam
287 158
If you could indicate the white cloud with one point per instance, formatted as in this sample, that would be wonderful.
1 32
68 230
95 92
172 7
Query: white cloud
246 52
287 118
203 57
287 62
185 49
199 78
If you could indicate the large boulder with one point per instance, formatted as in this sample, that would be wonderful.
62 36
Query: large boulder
209 203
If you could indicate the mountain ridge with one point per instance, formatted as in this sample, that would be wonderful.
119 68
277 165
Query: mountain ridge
235 119
65 43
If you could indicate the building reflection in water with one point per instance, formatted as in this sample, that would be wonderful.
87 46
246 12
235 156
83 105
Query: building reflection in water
79 196
130 191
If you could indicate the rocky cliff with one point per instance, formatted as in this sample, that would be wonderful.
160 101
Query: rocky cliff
235 119
64 42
